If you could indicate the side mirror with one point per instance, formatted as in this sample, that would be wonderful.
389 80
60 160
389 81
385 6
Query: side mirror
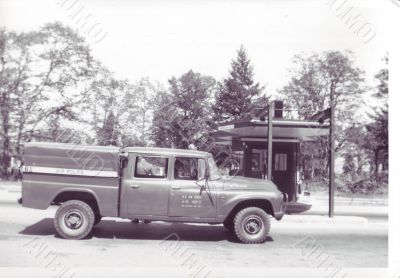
206 177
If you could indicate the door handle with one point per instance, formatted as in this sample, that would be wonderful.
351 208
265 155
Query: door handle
134 186
176 187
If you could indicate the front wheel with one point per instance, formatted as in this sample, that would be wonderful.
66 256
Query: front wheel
74 219
252 225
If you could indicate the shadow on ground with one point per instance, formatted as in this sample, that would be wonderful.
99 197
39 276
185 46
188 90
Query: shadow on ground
153 231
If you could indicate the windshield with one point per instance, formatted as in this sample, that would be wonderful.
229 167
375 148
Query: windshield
214 173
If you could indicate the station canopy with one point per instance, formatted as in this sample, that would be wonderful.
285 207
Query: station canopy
283 130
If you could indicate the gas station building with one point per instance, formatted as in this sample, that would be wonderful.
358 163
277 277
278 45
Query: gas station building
248 139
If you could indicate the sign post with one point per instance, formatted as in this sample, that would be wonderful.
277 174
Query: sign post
332 184
271 109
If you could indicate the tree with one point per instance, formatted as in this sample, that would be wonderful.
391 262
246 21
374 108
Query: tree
183 114
378 132
108 133
314 78
162 126
43 73
238 94
16 94
6 90
146 94
131 106
61 76
110 108
349 165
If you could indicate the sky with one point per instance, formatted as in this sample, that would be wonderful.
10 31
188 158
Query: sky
159 39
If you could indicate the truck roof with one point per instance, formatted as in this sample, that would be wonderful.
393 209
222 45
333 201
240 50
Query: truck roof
165 151
71 146
114 149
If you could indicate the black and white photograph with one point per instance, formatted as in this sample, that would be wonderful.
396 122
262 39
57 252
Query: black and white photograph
198 139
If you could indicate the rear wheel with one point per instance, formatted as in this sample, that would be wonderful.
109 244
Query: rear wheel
252 225
74 219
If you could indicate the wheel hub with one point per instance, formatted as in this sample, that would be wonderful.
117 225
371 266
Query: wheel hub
73 220
253 225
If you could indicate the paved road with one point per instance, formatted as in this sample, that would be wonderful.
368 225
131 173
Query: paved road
27 239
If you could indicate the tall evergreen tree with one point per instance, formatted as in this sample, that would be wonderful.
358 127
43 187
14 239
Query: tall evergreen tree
238 94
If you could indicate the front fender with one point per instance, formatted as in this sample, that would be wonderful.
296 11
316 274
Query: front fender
232 199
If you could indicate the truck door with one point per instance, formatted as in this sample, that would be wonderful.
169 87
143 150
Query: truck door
190 194
146 192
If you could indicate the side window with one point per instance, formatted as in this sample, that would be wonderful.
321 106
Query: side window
151 167
189 168
280 162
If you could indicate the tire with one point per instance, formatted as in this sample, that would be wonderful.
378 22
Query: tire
252 225
74 219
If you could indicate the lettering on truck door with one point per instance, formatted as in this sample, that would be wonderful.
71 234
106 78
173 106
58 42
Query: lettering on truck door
190 194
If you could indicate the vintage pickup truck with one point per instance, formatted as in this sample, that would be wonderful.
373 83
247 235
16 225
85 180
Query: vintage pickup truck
157 184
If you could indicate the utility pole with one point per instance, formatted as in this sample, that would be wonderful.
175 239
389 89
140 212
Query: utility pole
271 109
332 184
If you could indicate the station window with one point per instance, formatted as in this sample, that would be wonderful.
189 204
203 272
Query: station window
189 168
280 162
151 167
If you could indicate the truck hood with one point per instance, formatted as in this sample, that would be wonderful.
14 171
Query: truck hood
242 183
